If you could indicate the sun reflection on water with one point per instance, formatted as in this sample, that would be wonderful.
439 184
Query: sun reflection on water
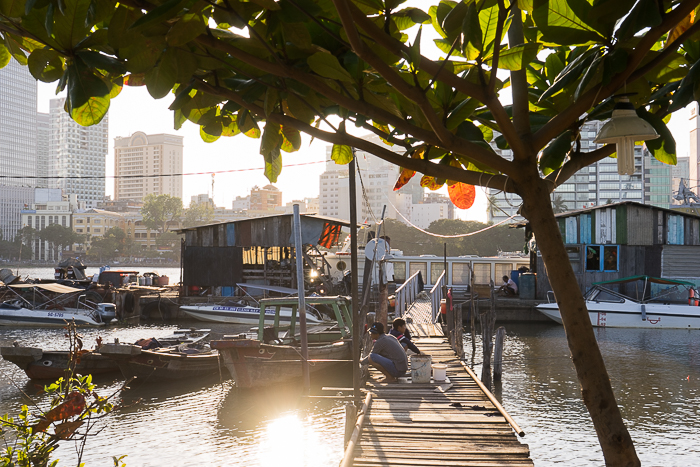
294 442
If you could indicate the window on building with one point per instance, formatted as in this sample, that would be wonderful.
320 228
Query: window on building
460 274
602 257
414 267
482 273
400 271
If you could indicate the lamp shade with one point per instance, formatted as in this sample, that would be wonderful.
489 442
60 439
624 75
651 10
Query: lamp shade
625 124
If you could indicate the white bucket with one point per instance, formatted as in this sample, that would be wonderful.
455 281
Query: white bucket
420 368
439 372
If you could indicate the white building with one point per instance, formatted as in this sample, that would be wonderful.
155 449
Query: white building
150 161
241 203
77 155
18 92
48 208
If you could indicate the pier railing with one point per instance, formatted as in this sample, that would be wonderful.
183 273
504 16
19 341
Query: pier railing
406 294
436 296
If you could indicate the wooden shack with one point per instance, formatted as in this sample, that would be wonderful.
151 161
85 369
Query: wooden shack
625 239
260 250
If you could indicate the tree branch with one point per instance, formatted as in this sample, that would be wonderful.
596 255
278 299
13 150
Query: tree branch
419 165
598 93
519 85
411 92
502 13
575 164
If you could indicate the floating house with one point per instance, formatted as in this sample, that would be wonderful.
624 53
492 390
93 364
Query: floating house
259 251
625 239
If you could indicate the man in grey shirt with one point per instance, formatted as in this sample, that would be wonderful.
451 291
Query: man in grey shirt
387 355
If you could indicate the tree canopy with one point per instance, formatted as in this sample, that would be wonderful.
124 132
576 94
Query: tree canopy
317 66
198 214
158 210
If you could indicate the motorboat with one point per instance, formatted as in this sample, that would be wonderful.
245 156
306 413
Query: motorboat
638 302
238 313
31 305
242 312
275 356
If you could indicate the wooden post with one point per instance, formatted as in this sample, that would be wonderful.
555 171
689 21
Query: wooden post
487 320
498 354
383 312
354 293
472 311
302 298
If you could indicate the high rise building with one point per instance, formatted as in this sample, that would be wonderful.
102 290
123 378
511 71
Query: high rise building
266 198
17 145
154 163
594 185
17 125
43 136
77 153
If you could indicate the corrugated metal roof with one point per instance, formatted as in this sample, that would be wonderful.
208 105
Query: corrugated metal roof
331 220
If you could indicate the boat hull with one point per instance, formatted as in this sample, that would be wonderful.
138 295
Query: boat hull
629 315
254 364
239 315
44 318
160 365
39 364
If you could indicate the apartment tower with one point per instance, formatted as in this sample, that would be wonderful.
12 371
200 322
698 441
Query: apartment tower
145 164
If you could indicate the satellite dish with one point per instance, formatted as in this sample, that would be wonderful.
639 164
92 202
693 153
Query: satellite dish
381 250
341 265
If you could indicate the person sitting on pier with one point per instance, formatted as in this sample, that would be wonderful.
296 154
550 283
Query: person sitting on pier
403 335
509 287
387 354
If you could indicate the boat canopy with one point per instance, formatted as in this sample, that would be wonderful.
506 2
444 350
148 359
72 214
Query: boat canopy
58 288
653 280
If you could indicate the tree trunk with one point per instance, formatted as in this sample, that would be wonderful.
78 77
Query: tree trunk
596 389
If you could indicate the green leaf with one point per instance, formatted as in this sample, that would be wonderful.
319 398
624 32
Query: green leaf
181 63
645 14
12 8
83 85
341 154
45 65
186 29
614 63
91 112
159 13
143 54
472 36
271 138
560 25
587 77
516 58
684 94
15 50
553 155
118 31
663 148
291 139
488 19
328 66
248 125
297 34
5 55
160 81
209 138
271 98
273 165
70 28
102 62
229 126
569 74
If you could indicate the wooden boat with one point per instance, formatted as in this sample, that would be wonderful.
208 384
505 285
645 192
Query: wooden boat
191 359
53 364
649 302
271 359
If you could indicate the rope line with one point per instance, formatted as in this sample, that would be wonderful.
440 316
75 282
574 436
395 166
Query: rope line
449 236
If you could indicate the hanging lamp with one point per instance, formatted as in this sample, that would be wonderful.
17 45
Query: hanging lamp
623 129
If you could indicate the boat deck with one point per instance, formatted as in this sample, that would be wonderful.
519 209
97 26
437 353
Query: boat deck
454 422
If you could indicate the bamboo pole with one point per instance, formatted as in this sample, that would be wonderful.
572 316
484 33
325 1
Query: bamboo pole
494 401
349 455
301 293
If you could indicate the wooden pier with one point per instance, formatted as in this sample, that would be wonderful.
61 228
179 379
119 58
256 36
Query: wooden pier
457 422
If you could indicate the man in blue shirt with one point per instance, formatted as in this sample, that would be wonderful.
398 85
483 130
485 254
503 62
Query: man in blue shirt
403 335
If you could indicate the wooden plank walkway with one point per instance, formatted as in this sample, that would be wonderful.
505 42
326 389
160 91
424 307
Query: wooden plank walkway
437 424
